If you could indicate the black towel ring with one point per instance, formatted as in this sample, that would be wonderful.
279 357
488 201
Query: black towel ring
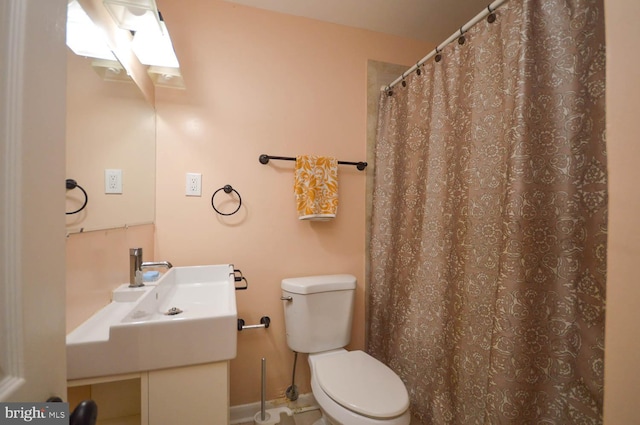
227 189
72 184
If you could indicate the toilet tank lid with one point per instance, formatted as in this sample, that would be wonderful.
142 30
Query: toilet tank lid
315 284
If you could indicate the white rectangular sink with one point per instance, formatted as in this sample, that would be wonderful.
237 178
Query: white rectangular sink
139 333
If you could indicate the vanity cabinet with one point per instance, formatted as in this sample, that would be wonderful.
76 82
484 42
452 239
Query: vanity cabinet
190 395
194 395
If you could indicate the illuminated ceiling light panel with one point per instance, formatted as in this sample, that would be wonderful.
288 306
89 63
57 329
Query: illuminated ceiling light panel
155 47
83 37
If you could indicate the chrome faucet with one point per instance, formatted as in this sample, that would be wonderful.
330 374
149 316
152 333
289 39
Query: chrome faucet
166 264
135 268
136 265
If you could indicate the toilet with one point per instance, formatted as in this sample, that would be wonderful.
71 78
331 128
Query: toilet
351 387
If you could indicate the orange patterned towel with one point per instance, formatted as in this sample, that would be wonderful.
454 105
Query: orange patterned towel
316 187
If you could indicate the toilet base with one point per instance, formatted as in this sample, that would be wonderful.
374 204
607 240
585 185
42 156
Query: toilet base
321 421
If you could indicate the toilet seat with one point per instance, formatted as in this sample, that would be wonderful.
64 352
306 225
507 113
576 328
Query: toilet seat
362 384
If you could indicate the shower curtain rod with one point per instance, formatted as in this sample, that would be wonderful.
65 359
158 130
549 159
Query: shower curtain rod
480 16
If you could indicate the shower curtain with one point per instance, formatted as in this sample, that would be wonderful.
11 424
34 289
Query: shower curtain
486 290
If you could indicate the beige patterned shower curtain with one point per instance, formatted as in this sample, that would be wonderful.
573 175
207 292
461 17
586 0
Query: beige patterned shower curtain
488 241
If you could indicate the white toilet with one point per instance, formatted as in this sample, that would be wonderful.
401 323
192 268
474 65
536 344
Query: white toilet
351 387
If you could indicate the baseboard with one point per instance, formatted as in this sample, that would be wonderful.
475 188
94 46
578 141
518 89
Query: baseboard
245 412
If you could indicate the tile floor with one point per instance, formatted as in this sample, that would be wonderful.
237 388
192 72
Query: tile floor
305 418
308 418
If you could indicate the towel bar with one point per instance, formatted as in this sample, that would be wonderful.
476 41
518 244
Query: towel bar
264 159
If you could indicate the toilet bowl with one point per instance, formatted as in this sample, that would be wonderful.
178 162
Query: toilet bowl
353 388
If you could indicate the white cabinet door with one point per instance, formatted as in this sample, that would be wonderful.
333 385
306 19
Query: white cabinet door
194 395
32 170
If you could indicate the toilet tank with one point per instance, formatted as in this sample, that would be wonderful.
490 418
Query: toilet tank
319 313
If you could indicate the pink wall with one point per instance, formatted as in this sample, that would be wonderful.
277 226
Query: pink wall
622 341
260 82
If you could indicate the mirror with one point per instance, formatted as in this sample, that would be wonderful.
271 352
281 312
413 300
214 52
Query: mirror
110 126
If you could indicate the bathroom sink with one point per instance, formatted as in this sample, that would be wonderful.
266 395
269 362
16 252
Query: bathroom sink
186 317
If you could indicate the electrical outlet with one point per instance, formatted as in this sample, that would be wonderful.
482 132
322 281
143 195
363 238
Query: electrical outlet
194 184
112 181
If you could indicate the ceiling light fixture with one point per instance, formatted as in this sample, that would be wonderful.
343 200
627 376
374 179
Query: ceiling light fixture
134 15
110 71
166 77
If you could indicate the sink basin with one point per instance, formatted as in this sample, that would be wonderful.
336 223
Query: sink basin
186 317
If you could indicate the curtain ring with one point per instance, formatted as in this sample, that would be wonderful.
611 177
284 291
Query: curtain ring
491 18
389 91
404 83
461 39
438 55
418 70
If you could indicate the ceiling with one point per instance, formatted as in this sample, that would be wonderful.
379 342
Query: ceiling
427 20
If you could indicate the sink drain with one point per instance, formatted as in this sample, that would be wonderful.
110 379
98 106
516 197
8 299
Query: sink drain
173 311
